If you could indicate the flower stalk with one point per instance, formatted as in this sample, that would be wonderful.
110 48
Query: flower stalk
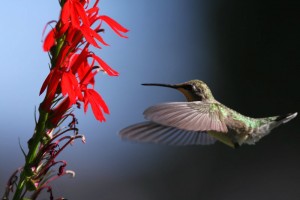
69 83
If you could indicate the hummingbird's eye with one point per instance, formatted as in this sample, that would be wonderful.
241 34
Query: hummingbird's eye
196 89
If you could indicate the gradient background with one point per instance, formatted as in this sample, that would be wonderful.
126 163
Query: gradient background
248 52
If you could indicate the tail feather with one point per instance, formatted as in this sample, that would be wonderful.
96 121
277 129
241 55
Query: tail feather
282 119
273 122
286 118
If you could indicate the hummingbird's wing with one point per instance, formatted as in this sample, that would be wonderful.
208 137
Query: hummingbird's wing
191 116
157 133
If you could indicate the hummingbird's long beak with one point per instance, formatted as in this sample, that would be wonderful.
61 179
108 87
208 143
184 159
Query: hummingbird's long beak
162 85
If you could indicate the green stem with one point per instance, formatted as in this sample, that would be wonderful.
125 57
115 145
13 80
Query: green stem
20 187
34 142
39 133
33 145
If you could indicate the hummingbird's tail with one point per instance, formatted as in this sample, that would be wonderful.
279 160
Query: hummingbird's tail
286 118
267 124
282 119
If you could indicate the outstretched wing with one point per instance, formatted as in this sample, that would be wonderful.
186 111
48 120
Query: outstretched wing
191 116
157 133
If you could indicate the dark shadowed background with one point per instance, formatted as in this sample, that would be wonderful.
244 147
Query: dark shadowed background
248 52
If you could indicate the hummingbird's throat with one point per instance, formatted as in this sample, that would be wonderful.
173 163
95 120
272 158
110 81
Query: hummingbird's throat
188 95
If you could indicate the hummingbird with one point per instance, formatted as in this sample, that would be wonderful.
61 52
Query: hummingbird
201 120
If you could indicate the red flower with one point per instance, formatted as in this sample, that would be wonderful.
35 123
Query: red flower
97 103
71 79
73 12
70 82
57 113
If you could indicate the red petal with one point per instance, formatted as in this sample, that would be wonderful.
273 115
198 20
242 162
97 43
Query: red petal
53 80
99 100
49 40
53 83
60 110
87 32
81 58
97 103
64 27
74 16
92 10
81 13
69 85
105 66
46 82
65 12
62 56
98 37
86 75
115 26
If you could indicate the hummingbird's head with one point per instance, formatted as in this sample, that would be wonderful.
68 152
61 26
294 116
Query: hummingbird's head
194 90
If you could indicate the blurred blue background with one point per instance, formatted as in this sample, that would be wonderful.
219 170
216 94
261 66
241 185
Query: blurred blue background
248 52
